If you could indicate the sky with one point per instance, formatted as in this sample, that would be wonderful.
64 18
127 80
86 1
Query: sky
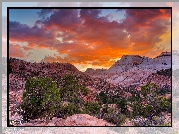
87 38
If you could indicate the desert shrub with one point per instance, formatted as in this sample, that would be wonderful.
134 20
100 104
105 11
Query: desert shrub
102 97
137 108
146 110
154 121
69 110
91 108
40 99
149 88
150 106
122 104
70 87
163 90
113 117
71 92
163 103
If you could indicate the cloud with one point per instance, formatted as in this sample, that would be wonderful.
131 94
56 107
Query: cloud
44 12
61 19
90 13
23 31
35 36
51 59
87 37
15 50
146 26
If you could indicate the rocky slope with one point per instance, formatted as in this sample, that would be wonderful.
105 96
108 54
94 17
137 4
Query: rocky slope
130 70
21 70
133 69
74 120
136 62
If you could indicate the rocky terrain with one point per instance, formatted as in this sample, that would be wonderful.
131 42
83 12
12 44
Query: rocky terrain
132 69
74 120
124 79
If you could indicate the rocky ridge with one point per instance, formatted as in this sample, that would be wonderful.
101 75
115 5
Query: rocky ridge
133 69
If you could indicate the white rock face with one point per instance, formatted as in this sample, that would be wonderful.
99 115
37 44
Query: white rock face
125 63
135 62
132 69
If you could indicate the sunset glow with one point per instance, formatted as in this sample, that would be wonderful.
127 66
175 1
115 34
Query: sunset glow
93 38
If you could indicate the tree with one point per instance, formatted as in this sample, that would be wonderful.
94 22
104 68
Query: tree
70 88
148 89
122 104
102 97
92 108
68 110
71 92
41 98
151 104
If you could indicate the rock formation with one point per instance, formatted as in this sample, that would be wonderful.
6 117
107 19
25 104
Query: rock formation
132 69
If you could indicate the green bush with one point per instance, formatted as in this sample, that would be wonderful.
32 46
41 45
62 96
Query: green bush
69 110
151 104
91 108
122 104
40 99
149 88
137 108
102 97
70 88
71 92
114 118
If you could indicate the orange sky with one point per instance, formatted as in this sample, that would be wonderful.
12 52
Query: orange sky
91 38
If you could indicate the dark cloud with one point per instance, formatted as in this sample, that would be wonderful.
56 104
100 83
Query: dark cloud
89 37
22 32
90 13
63 18
44 12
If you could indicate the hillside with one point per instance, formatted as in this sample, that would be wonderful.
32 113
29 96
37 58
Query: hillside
116 94
132 69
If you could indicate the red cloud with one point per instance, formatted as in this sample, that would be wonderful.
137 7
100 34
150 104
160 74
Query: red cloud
88 37
15 50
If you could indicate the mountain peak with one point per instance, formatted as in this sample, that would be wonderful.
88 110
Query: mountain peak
164 54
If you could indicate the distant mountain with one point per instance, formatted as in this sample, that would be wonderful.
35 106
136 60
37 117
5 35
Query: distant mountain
127 62
42 69
132 69
91 70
